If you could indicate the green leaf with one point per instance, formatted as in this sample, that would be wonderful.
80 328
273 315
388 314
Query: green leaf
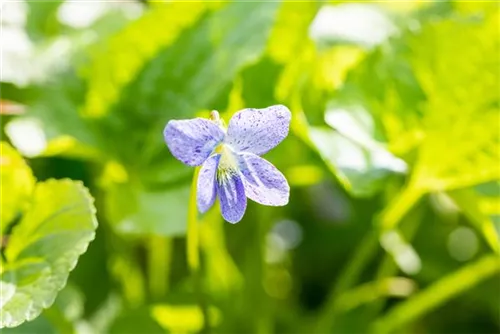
116 64
17 180
454 111
291 29
384 84
352 149
43 248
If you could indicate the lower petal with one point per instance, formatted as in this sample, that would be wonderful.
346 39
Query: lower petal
206 190
233 201
263 182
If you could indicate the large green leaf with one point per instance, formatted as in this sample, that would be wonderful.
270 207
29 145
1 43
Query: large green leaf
43 248
116 64
454 111
464 112
17 181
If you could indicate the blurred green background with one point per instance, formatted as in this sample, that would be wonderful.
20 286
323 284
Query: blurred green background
393 159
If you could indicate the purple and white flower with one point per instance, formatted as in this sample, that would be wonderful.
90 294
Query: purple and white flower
231 166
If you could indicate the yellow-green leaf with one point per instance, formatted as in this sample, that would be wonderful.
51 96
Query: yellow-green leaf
124 55
17 184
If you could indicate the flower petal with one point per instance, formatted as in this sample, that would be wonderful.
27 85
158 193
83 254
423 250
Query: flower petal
263 182
192 141
258 130
233 201
206 190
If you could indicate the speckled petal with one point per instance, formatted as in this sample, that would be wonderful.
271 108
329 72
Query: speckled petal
233 201
206 189
263 182
192 141
258 130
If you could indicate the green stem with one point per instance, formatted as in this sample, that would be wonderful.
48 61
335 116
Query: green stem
437 294
400 206
372 291
159 256
193 251
193 256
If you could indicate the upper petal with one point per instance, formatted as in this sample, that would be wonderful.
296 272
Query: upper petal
233 201
206 190
258 130
192 141
263 182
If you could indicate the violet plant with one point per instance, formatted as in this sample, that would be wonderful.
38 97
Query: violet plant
231 166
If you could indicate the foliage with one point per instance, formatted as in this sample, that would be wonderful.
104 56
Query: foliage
40 251
393 161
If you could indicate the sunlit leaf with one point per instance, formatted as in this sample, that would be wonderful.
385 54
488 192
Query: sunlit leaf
454 111
43 248
17 183
116 65
363 161
291 29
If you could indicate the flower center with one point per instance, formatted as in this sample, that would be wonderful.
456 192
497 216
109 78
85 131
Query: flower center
228 164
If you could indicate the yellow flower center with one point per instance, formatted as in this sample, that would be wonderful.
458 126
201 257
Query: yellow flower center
227 164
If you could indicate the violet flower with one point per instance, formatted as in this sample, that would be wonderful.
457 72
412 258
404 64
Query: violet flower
231 166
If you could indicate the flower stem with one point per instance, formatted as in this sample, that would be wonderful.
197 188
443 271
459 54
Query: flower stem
193 256
193 251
